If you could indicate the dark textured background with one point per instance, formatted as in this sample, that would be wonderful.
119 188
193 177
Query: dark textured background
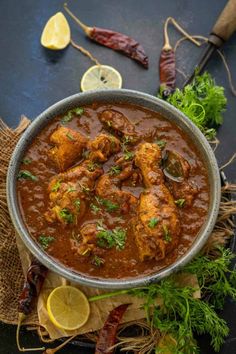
32 78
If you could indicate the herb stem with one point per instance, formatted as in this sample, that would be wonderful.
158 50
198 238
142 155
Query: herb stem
107 295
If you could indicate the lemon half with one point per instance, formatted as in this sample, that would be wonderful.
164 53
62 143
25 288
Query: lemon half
101 77
68 308
56 33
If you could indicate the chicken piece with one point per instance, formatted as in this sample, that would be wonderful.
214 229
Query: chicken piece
108 188
177 172
103 146
116 121
68 193
156 227
68 148
87 240
148 159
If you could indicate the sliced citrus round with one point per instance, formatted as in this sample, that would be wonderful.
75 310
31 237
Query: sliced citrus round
68 308
56 33
101 77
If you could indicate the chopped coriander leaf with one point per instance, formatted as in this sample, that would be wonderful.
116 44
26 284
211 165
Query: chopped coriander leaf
26 175
70 114
71 189
180 202
153 222
92 166
128 155
111 238
166 232
77 204
115 170
97 261
45 241
95 209
161 143
66 215
56 186
107 204
70 137
26 161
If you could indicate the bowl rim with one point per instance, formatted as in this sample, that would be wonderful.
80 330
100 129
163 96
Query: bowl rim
69 273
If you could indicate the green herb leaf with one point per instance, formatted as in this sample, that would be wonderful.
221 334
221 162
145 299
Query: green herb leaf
26 161
161 143
70 137
77 204
111 238
107 204
97 261
180 202
203 102
26 175
92 166
153 222
128 155
166 232
71 113
95 209
66 215
71 189
115 170
45 241
56 186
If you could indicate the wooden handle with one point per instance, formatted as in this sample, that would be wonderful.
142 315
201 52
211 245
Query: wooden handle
226 23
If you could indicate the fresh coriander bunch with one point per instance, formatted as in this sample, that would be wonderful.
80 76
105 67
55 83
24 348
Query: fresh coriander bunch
203 102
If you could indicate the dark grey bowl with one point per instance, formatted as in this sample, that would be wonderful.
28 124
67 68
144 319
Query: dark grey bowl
114 96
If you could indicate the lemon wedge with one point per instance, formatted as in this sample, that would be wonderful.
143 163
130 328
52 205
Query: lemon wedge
101 77
68 308
56 33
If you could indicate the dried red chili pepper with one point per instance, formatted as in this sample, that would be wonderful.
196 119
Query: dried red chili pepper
107 335
31 289
167 71
114 40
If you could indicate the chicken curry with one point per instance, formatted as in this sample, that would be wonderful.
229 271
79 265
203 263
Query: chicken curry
113 191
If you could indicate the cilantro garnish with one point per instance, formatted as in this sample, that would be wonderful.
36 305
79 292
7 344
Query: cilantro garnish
24 174
166 232
107 204
45 241
153 222
115 170
111 238
56 186
66 215
180 202
71 113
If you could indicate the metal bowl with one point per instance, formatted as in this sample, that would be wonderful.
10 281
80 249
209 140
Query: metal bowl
114 96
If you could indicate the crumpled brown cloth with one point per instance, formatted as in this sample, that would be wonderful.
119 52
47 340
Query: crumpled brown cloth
15 260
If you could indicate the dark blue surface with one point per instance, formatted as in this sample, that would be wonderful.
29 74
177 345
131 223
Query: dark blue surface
32 78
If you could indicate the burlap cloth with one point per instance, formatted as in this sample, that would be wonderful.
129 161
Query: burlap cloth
15 260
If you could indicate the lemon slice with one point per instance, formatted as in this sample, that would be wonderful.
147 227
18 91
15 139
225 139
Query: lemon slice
68 308
56 33
101 77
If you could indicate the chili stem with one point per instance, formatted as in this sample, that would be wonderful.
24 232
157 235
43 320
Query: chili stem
54 350
22 349
85 52
167 45
86 29
186 34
